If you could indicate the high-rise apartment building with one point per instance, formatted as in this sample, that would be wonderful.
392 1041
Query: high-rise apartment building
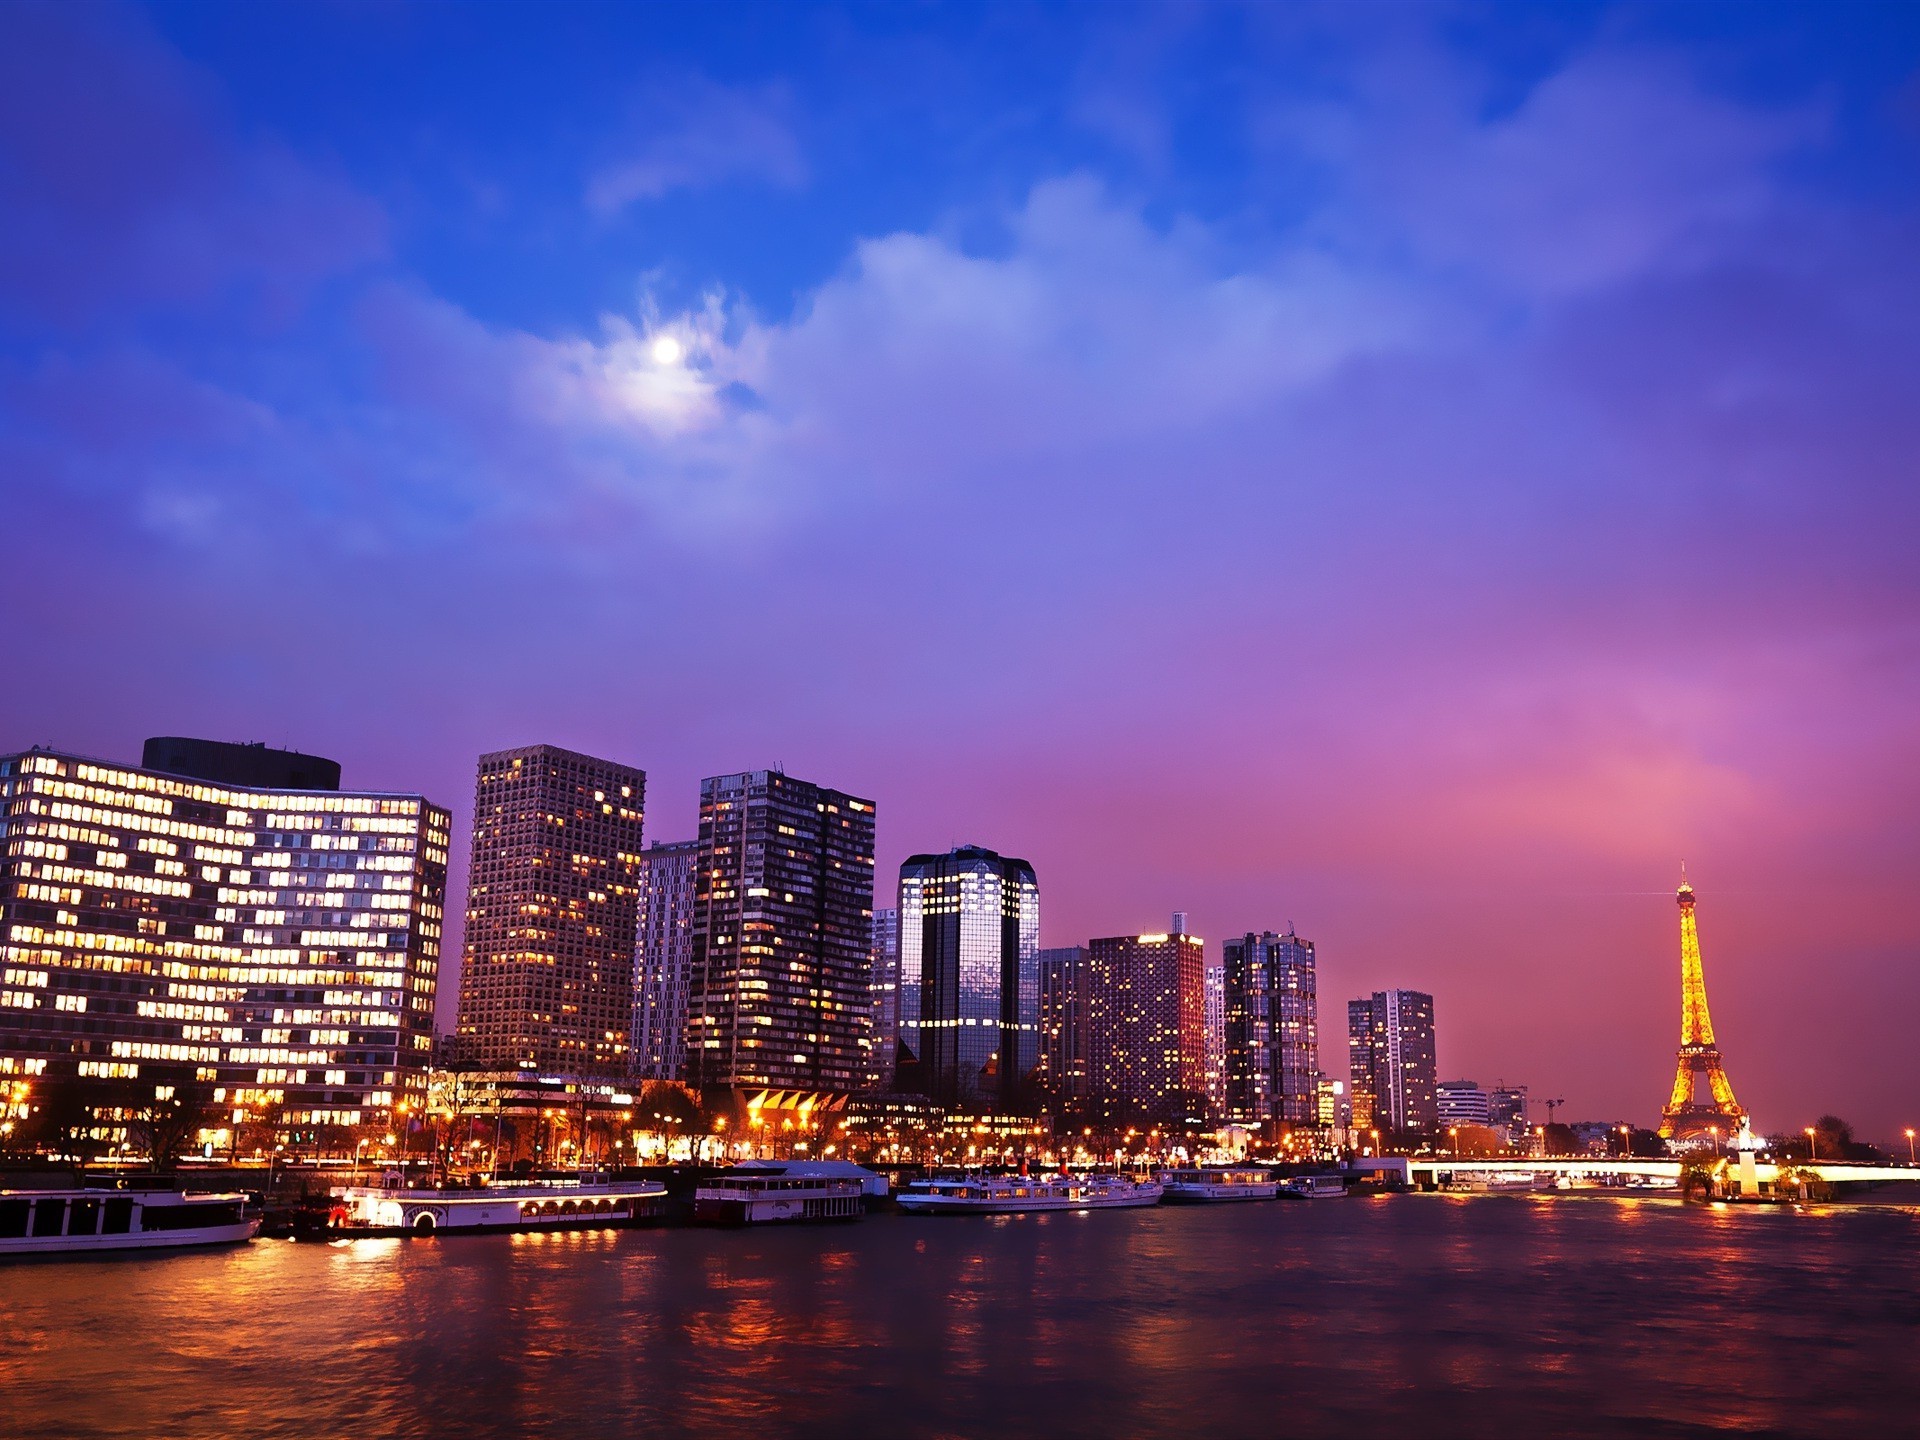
1146 1024
662 959
552 902
1216 1023
1390 1047
970 935
1062 1071
1272 1029
885 989
781 990
279 944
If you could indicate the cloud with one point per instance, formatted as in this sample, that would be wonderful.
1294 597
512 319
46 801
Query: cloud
1615 165
695 134
121 185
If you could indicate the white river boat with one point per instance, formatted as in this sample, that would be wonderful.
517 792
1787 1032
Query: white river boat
1021 1194
100 1221
395 1209
1216 1185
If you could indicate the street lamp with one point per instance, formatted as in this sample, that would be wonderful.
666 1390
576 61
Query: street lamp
1714 1130
1626 1142
1910 1159
1813 1145
1453 1134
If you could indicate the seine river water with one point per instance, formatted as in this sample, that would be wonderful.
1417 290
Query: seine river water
1496 1316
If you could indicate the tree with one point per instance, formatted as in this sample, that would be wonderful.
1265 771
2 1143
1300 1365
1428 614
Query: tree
1560 1140
63 1113
166 1122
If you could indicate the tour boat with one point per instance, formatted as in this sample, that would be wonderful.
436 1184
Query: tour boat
1020 1194
397 1209
99 1221
1212 1186
1315 1187
744 1197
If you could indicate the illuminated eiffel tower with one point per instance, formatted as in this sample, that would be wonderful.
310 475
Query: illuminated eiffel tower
1685 1116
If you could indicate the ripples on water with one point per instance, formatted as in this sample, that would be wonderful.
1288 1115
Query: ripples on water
1472 1316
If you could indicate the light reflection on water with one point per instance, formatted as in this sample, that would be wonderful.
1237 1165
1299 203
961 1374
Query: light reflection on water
1483 1315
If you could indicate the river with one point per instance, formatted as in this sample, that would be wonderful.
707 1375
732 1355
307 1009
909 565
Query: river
1497 1316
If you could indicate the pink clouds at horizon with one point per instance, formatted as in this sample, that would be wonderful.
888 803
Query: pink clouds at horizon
1435 575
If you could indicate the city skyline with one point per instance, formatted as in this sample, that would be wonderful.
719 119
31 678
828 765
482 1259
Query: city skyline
1422 485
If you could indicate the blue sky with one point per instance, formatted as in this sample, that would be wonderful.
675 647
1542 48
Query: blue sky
1347 465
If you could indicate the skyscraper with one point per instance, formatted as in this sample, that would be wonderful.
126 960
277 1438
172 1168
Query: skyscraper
970 934
1216 1022
1146 1025
274 934
1063 1023
1272 1029
885 989
780 993
662 956
1390 1045
552 905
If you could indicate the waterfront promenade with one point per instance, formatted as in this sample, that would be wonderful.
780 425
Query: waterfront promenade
1432 1314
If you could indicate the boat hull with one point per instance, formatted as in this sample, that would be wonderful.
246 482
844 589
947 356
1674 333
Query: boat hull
203 1238
712 1211
1218 1194
428 1213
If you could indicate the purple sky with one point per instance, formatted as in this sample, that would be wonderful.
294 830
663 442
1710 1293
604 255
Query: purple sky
1417 479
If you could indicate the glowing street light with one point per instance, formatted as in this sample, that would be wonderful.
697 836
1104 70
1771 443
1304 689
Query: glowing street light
1910 1159
1813 1144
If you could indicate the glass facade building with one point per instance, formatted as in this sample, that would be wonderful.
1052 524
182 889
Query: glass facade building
1146 1025
1062 1072
662 959
552 912
780 991
885 988
1272 1029
969 948
281 945
1390 1048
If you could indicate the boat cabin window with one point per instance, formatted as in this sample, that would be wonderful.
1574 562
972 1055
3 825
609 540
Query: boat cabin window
13 1218
49 1216
83 1218
189 1216
119 1216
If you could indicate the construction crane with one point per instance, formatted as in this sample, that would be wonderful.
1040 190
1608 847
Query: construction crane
1552 1105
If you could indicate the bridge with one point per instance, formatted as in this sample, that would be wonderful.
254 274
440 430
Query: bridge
1740 1174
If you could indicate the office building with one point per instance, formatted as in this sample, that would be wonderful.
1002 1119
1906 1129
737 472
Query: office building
662 958
552 913
969 941
1507 1112
1216 1025
1272 1029
1062 1071
1462 1102
781 990
1390 1048
280 945
883 1066
1146 1025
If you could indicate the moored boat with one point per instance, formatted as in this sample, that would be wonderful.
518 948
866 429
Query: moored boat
1021 1194
395 1209
1213 1185
1315 1187
98 1221
745 1197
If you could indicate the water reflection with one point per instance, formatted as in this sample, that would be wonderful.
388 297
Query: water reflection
1486 1315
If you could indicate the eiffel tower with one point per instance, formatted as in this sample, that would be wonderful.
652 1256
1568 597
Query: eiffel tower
1686 1117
